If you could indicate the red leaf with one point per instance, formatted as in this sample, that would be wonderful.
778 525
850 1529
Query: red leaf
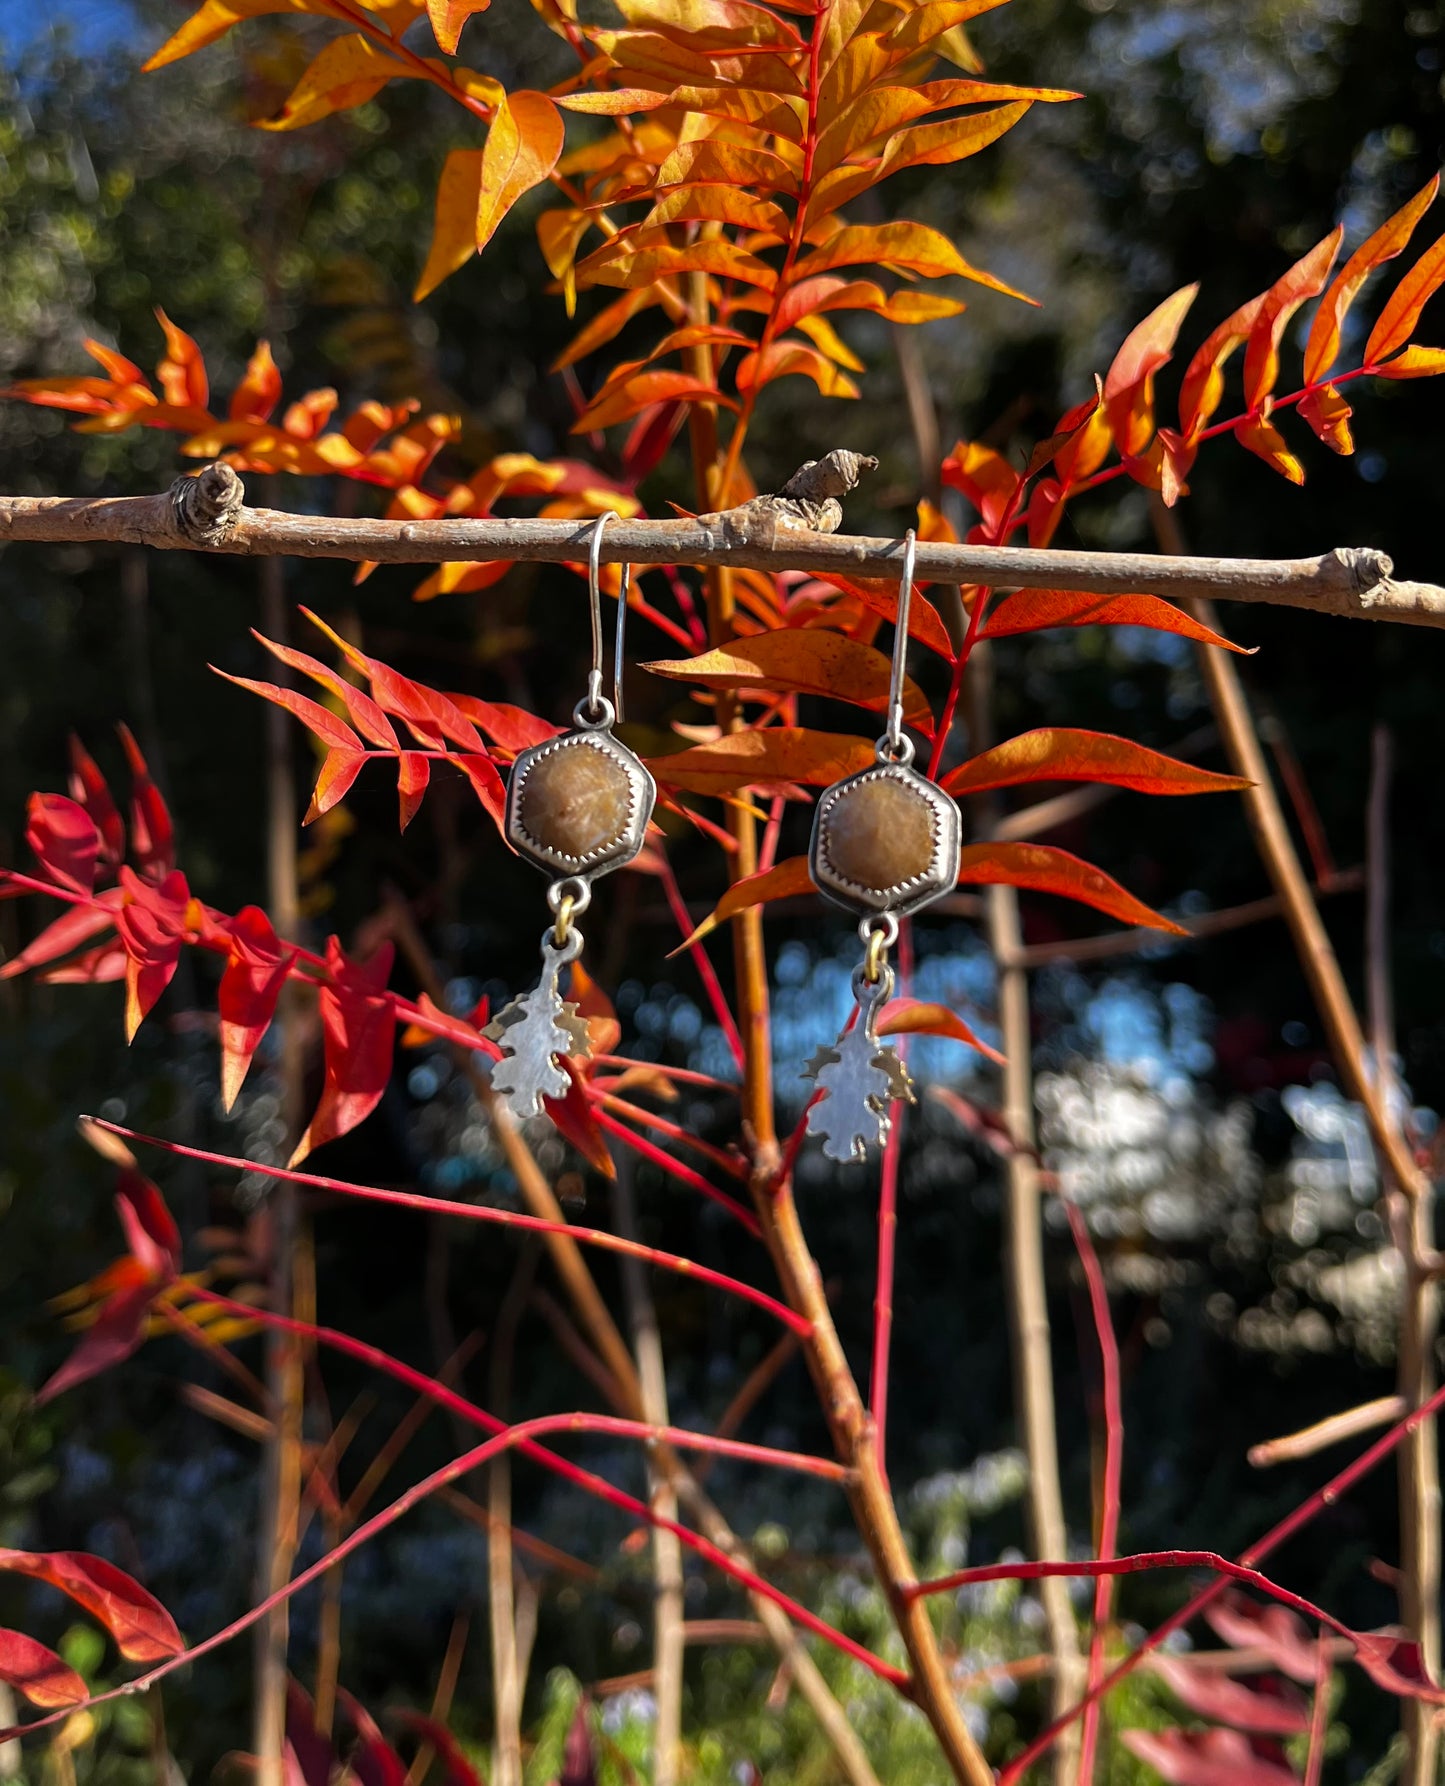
1387 241
458 1770
333 732
1060 753
1047 870
1206 1758
38 1673
1402 311
88 786
576 1121
315 1758
1397 1664
1246 1624
142 1628
487 784
260 390
1305 279
1031 610
152 927
110 1339
100 966
365 714
358 1026
373 1761
510 728
152 836
434 718
579 1761
909 1017
76 925
64 839
256 970
987 479
150 1228
413 772
333 784
1215 1695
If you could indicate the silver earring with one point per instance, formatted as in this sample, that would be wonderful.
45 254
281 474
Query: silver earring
577 807
885 844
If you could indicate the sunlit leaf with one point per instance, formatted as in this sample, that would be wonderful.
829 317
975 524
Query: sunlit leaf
256 970
1047 870
910 1017
1387 241
358 1024
787 880
1059 753
1032 610
1328 414
803 661
1206 1758
1305 279
1129 385
1266 442
142 1628
38 1673
447 18
348 72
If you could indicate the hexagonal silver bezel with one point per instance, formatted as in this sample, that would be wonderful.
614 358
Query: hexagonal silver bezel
607 856
903 896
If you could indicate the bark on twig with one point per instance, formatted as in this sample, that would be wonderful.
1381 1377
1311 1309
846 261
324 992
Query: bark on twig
208 515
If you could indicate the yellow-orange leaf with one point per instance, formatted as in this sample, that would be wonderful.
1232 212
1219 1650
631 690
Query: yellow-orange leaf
614 102
1060 753
182 373
1031 610
523 146
454 234
259 391
1203 383
922 25
217 17
348 72
910 1017
1326 411
719 204
801 660
1129 385
936 145
1415 362
777 757
1305 279
1267 443
912 246
619 263
710 163
447 18
1047 870
786 881
1387 241
1402 310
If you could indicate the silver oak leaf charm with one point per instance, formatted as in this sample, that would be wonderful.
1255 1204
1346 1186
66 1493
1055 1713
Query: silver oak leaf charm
860 1077
532 1031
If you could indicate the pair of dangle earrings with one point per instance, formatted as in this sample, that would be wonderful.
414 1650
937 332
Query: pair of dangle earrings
885 844
578 806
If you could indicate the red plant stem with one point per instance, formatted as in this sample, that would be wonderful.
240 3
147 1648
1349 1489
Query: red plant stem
663 622
768 853
1108 1539
675 1169
701 960
725 1162
474 1212
1135 1565
1324 1497
519 1436
687 607
955 686
888 1231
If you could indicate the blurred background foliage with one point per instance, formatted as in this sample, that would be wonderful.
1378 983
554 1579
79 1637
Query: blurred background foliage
1185 1096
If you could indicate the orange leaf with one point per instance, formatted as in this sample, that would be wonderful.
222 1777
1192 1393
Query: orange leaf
182 373
454 233
1265 440
259 391
1203 384
1047 870
523 146
705 163
954 139
1402 310
413 772
333 784
1031 610
213 20
908 1017
779 756
640 392
1064 754
623 261
787 880
986 478
1387 241
803 661
1328 414
913 247
348 72
1129 386
780 358
447 18
1305 279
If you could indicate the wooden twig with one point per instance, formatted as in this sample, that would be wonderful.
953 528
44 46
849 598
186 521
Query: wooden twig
208 513
1382 1412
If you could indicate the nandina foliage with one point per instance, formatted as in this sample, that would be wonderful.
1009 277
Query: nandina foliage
719 152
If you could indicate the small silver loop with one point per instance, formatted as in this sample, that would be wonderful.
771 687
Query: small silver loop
569 951
894 735
869 995
889 749
571 887
593 718
878 921
594 597
622 590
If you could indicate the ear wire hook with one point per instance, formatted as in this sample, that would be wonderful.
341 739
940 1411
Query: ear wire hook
596 702
894 744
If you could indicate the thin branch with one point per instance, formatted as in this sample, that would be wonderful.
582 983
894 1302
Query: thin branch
1310 1439
207 513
